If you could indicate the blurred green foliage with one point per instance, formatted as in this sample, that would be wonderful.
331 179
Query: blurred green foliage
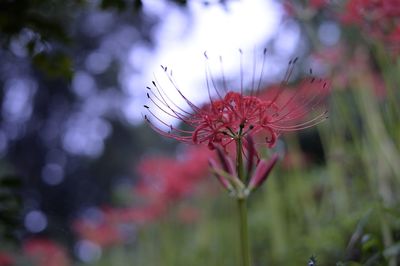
10 207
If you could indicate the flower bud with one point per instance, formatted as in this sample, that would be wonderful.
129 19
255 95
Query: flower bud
262 172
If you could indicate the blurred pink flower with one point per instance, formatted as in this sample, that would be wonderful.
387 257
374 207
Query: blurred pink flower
166 179
100 232
113 227
377 18
6 259
318 4
45 252
346 65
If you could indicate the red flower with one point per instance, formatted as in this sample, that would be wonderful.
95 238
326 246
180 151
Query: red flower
347 68
6 259
101 232
166 179
45 252
377 18
318 4
233 115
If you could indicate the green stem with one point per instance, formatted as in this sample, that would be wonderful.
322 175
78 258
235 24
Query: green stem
244 238
242 208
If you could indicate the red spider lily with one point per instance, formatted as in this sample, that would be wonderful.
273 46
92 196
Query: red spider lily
166 179
116 225
377 18
163 181
318 4
45 252
102 232
292 106
233 115
347 67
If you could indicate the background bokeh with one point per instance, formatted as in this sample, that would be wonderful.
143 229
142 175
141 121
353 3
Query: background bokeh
84 181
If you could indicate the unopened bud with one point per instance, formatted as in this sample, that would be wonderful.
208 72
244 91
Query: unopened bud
262 172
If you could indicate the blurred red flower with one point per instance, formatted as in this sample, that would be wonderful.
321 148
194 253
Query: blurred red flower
347 65
377 18
45 252
318 4
100 232
166 179
163 181
6 259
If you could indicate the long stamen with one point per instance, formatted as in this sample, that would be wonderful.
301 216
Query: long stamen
241 71
225 87
262 70
210 76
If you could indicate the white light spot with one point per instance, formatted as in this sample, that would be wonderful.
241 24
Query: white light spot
288 39
98 62
83 84
35 221
52 174
329 33
17 105
87 251
93 214
85 135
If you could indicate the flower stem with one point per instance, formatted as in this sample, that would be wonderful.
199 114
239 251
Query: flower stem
244 238
242 208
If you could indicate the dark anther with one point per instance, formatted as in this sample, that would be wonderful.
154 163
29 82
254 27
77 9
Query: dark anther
310 71
295 60
145 106
205 54
324 85
148 95
242 125
154 83
240 51
265 50
148 88
312 80
251 127
225 133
